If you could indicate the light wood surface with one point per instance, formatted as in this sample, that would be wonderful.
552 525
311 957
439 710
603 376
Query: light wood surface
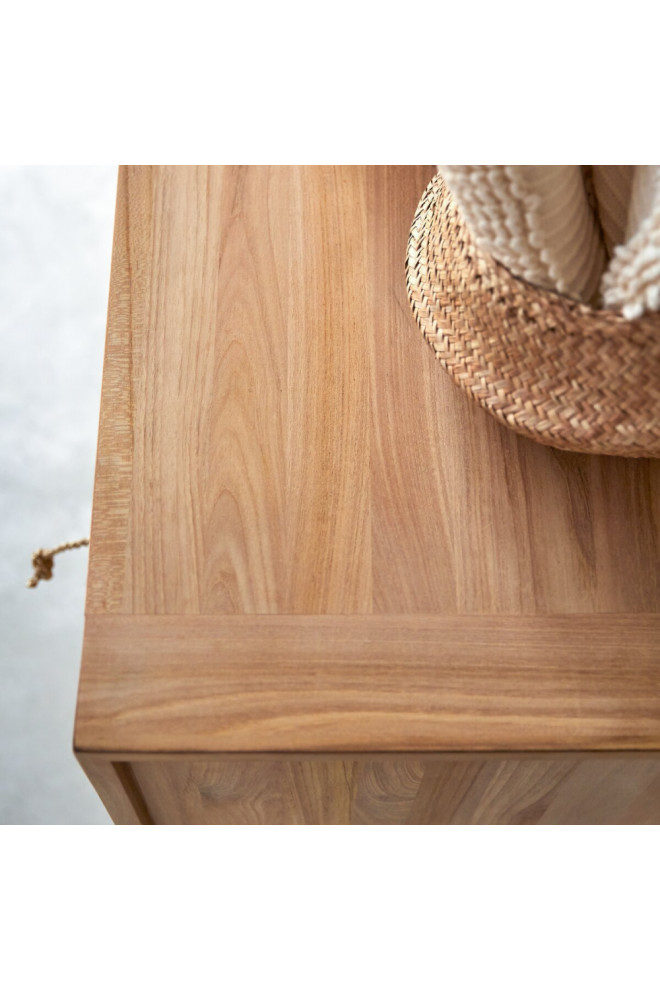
306 539
369 683
276 437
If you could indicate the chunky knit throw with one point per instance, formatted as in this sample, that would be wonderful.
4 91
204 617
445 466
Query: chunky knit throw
535 220
589 232
631 283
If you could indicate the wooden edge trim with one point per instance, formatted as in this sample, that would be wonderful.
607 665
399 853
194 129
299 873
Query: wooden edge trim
208 756
368 683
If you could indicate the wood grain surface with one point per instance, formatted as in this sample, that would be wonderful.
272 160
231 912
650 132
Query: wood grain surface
533 790
306 540
369 683
276 437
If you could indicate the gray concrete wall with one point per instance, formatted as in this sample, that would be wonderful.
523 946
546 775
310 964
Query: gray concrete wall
55 246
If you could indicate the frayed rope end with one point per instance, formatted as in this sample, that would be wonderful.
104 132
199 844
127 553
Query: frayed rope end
42 561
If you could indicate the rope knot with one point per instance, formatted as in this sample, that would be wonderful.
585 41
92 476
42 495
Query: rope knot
42 561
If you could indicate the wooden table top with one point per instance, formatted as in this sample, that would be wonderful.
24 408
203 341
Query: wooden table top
305 538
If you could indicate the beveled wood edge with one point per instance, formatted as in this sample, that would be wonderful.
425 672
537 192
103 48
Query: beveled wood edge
316 756
126 325
114 455
272 684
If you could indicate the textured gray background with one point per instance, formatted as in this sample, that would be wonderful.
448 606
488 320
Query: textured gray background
55 245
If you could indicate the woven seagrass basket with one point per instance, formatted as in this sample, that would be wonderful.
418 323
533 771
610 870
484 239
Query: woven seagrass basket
550 368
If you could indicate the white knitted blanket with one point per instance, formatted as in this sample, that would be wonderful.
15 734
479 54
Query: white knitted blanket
590 232
631 283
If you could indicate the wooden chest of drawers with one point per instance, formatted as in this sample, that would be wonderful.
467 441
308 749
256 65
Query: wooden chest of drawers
324 586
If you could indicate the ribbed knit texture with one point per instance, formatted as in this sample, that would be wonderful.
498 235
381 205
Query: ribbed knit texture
535 220
613 188
631 284
643 194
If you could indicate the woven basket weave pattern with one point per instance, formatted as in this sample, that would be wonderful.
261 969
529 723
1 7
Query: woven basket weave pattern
550 368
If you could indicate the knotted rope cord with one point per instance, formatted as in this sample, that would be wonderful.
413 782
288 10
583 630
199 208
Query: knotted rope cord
42 561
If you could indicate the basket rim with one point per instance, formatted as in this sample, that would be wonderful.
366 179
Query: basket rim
609 320
443 258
